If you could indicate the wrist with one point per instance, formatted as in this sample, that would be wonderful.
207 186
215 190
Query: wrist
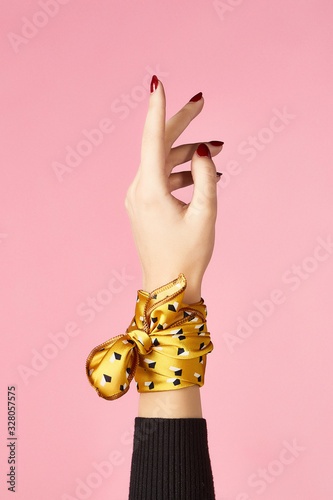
192 293
183 403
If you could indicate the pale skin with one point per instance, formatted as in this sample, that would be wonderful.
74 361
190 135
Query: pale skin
172 237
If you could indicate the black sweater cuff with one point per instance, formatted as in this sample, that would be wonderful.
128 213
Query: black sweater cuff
171 460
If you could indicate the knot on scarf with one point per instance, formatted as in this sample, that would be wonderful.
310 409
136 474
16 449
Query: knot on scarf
142 341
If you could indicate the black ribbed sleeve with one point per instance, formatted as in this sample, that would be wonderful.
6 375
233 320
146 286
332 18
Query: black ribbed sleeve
171 460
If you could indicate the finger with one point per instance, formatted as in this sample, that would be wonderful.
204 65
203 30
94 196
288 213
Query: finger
153 139
182 154
178 122
204 199
179 180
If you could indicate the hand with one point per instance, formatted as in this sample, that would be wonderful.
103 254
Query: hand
171 236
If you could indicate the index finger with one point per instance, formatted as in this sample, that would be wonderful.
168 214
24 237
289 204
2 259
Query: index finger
153 139
176 125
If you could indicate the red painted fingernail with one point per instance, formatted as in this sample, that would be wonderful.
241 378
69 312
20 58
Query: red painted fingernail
216 143
203 150
218 174
153 84
196 97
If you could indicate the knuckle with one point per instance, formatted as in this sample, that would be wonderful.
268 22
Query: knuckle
130 196
127 204
139 194
143 192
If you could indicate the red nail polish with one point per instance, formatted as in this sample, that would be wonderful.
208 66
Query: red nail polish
218 174
203 150
216 143
196 97
153 84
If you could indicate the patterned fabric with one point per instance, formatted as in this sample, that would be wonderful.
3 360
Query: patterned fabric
165 346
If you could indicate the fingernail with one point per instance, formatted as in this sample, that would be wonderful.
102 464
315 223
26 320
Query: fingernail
218 174
216 143
153 84
203 150
196 97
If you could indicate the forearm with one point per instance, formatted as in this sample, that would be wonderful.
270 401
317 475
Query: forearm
180 403
193 288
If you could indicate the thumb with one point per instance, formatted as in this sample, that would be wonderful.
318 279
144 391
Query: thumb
204 199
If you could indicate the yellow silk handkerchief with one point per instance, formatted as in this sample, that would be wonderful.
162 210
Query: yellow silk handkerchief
165 346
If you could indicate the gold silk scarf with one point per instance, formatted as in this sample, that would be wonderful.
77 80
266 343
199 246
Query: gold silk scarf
165 346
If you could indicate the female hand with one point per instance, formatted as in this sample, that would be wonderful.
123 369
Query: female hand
173 237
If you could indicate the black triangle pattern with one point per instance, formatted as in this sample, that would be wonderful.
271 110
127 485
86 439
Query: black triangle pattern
171 307
180 331
151 364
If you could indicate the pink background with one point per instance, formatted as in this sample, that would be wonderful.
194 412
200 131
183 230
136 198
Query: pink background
63 238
